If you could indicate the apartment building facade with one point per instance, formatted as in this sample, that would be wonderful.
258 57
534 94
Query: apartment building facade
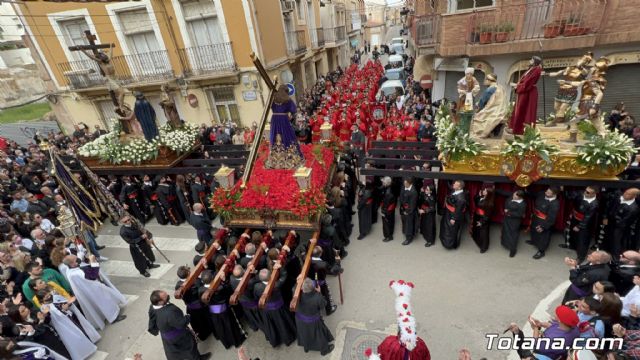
500 36
199 48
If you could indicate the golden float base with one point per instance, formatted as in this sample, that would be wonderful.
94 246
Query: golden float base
274 219
565 166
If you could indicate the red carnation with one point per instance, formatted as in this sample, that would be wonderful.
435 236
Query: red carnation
368 352
405 306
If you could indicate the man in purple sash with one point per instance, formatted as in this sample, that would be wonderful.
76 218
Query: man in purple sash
170 322
584 276
313 334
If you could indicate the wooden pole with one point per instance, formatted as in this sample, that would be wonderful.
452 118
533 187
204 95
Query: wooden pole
226 268
186 285
304 272
242 286
275 274
253 154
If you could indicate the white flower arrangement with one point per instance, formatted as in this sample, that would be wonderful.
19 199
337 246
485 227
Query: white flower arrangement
530 142
452 143
179 140
610 150
109 147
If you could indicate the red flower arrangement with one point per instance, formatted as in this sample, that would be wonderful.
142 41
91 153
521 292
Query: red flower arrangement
309 203
282 189
225 201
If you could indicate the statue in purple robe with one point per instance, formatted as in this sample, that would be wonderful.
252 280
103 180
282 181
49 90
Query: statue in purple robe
284 147
146 116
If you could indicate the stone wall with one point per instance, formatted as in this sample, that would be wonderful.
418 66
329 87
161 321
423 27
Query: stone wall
19 85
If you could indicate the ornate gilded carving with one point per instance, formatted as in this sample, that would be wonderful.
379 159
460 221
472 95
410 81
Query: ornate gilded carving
559 166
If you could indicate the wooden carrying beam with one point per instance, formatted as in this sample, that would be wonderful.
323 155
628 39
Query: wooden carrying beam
242 286
275 274
226 268
187 284
91 47
304 272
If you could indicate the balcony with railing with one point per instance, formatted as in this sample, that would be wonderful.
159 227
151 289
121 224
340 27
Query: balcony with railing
340 33
129 69
296 42
317 38
561 24
208 59
425 30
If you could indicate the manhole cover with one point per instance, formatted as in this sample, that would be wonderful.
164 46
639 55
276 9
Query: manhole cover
358 340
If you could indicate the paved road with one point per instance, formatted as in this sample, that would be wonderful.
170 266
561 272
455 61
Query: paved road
459 296
23 132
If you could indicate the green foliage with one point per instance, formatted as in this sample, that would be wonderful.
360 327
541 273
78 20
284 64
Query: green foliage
506 26
29 112
453 144
529 142
487 28
611 150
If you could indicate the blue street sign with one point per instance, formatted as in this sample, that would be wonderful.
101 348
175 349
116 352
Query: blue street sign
291 89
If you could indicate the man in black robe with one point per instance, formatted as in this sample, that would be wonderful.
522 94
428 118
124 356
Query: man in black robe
139 246
620 219
223 320
248 303
357 144
427 212
132 200
148 189
278 324
313 334
514 210
168 201
578 232
318 273
365 206
387 209
542 220
198 312
200 221
200 193
249 253
170 322
453 217
583 277
338 221
408 210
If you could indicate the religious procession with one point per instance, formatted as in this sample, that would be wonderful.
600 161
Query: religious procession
212 189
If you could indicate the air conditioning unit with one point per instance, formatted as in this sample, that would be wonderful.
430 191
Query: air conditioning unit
79 79
288 6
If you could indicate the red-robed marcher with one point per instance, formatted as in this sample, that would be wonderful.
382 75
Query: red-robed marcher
315 123
526 106
410 133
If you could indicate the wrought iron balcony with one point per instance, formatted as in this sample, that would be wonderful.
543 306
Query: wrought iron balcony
141 68
129 69
296 43
208 59
81 74
425 30
536 20
317 38
340 33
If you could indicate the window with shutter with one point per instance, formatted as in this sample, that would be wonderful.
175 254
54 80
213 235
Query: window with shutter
202 22
107 111
224 104
73 31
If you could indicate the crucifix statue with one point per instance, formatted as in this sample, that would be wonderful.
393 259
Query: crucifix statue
94 52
